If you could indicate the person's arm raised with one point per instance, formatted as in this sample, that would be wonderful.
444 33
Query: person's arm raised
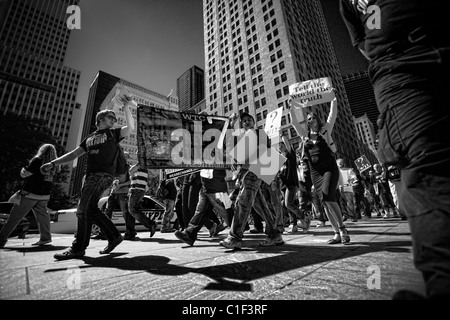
130 124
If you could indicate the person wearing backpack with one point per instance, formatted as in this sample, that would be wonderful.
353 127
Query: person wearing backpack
102 149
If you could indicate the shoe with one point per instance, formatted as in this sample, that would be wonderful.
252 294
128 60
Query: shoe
153 229
269 242
220 228
378 214
345 238
42 243
183 236
112 245
293 229
306 224
167 230
129 237
404 218
354 220
255 231
333 241
407 295
69 254
321 224
386 216
213 229
99 237
231 243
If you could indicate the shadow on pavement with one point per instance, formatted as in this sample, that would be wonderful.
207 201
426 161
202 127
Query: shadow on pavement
237 276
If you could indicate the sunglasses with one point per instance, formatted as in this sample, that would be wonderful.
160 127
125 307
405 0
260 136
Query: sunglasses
112 118
311 119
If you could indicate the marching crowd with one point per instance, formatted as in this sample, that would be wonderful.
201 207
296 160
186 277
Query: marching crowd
408 67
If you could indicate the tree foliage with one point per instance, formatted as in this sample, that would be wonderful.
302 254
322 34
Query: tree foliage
20 138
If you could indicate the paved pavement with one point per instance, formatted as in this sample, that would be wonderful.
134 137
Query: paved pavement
376 263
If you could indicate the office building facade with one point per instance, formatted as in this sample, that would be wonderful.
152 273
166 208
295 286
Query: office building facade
33 79
256 49
365 131
103 89
191 88
361 96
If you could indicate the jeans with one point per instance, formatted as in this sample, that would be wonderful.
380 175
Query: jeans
289 201
360 198
207 202
411 92
18 212
250 195
168 214
88 211
121 198
348 204
135 197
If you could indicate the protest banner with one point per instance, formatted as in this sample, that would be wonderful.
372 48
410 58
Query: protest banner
273 123
363 164
312 92
175 140
177 173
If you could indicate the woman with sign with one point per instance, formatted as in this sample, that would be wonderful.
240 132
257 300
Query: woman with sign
319 148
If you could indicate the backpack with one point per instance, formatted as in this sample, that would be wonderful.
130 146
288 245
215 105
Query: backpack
120 159
162 191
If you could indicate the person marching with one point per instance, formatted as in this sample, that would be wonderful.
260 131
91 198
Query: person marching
319 149
102 148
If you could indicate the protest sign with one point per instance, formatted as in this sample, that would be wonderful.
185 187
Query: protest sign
273 123
177 173
175 140
362 164
312 92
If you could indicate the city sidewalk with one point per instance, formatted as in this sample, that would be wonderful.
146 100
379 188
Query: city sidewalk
376 263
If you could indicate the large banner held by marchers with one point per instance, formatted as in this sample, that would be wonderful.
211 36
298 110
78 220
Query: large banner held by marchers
175 140
312 92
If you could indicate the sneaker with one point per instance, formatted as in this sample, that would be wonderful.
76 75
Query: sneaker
183 236
112 245
386 216
99 237
42 243
129 237
213 229
306 224
256 231
153 229
167 230
293 229
231 243
354 220
220 228
69 254
269 242
321 224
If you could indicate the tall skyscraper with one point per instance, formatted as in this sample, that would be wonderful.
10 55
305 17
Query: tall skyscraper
256 49
33 78
191 88
102 90
365 131
361 96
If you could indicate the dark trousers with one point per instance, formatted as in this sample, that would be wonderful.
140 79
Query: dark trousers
134 202
411 89
88 211
122 199
360 199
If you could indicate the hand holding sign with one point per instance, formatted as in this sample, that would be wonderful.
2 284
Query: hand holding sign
312 92
273 123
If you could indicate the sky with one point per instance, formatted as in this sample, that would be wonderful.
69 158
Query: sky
147 42
153 42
